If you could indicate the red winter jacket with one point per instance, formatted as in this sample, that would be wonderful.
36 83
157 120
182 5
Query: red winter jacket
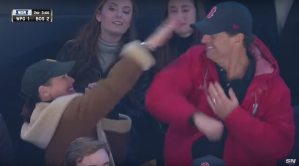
254 139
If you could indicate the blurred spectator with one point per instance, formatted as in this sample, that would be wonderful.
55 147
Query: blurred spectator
86 152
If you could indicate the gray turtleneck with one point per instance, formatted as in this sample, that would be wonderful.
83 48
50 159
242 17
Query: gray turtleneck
107 54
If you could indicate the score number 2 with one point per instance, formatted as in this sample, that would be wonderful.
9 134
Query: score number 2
43 19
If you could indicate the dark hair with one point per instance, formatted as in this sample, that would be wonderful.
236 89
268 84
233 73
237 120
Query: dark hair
88 37
82 147
30 103
87 42
167 53
248 38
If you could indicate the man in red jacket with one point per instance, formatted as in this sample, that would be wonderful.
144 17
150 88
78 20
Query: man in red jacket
226 98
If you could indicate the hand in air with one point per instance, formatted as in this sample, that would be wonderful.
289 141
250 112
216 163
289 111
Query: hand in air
90 86
219 102
208 126
163 33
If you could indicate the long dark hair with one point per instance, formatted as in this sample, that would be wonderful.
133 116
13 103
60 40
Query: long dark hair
28 107
87 59
30 102
167 53
87 42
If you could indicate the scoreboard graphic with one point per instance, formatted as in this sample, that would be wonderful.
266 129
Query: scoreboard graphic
32 15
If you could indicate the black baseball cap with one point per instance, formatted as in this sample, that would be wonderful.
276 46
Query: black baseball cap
40 72
208 161
227 16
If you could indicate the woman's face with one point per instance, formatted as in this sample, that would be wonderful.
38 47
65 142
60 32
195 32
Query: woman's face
115 17
186 12
59 86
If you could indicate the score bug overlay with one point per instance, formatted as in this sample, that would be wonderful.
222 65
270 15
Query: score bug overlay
32 15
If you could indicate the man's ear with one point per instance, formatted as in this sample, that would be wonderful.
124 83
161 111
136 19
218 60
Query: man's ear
43 92
238 39
98 16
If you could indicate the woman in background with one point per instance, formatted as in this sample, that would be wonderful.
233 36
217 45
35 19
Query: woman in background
188 11
95 51
149 133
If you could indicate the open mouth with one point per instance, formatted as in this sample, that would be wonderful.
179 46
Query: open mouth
71 89
210 47
117 23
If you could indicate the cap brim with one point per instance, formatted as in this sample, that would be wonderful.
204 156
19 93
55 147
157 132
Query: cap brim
206 28
63 68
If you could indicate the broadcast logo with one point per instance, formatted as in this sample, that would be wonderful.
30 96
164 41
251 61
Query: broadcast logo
290 161
21 12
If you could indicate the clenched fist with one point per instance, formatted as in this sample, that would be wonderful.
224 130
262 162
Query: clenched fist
163 33
210 127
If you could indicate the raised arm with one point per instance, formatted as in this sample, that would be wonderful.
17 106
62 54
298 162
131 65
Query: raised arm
97 102
136 59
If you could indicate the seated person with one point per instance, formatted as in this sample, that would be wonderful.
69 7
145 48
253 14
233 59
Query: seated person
85 151
55 115
226 98
95 51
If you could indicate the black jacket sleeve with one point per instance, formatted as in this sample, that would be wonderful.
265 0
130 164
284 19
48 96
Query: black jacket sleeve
7 154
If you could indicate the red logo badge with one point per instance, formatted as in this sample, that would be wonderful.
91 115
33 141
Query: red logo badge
235 26
205 164
213 10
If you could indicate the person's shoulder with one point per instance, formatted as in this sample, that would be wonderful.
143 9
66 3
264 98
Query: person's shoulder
195 53
276 89
66 101
66 97
197 49
276 82
72 42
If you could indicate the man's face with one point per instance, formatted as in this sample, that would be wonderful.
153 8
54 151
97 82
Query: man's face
218 46
99 158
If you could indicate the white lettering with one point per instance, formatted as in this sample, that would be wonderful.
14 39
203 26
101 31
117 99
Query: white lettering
21 18
290 161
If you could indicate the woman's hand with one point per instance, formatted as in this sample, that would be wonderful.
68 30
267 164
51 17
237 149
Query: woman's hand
163 33
90 86
210 127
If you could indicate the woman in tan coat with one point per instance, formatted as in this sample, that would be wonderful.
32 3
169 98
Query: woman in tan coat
55 114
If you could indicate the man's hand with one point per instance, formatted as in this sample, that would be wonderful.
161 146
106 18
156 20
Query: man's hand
210 127
90 86
219 102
